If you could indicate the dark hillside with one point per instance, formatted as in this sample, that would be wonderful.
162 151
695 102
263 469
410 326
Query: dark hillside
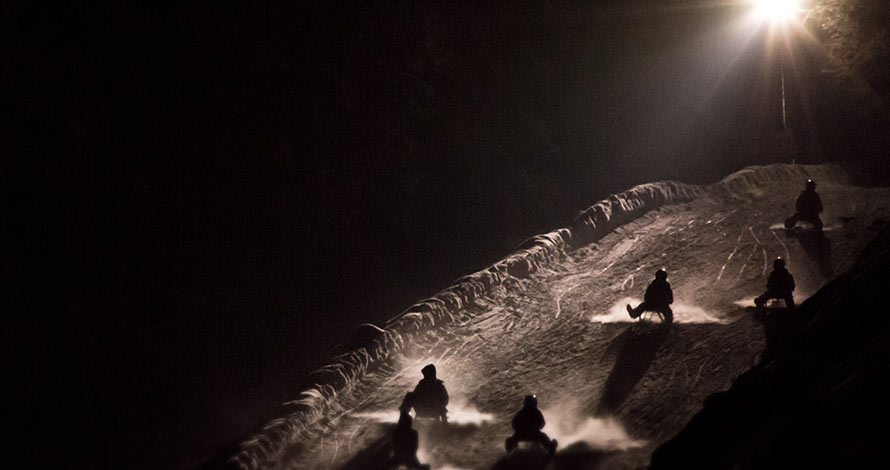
818 399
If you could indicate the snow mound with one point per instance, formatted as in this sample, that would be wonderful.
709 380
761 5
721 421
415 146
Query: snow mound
315 409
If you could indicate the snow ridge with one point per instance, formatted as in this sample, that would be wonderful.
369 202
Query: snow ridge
316 409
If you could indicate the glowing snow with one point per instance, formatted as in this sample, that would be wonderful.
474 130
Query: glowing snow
468 415
746 302
749 301
391 417
598 433
801 225
683 313
457 414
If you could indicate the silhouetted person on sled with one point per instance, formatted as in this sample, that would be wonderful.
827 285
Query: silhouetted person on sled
405 445
430 397
779 286
808 207
658 298
527 426
407 403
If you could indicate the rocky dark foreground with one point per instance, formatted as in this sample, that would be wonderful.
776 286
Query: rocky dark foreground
818 398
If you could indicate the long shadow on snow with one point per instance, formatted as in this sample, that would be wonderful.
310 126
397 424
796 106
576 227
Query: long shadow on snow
775 321
574 457
636 347
817 246
376 454
373 457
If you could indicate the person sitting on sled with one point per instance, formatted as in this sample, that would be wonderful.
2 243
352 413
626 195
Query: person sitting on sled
527 425
430 397
779 285
808 207
404 446
658 298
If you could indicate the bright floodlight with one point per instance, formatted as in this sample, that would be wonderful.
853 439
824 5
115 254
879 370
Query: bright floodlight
775 10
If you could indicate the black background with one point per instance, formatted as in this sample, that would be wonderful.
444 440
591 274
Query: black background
205 200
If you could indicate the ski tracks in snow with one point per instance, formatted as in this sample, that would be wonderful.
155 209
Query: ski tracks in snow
662 224
757 246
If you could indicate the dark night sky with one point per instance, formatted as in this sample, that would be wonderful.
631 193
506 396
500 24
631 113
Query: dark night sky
208 199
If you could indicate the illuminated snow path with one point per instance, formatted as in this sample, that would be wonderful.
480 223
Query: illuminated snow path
602 379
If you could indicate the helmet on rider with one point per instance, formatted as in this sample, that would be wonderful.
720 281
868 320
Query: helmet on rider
531 401
779 263
661 274
811 185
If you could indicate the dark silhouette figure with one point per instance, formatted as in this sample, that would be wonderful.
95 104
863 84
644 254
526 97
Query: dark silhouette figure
430 397
635 349
404 445
779 286
808 207
775 328
817 247
407 403
658 298
527 426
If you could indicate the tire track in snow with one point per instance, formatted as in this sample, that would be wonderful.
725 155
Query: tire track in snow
612 257
617 252
457 350
725 216
628 278
751 229
765 263
336 452
615 255
751 256
731 254
560 293
745 264
787 252
351 439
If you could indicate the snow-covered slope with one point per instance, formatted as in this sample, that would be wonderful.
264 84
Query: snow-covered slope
816 400
548 319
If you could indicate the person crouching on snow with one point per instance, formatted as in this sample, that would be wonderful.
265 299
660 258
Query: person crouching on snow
404 446
658 298
527 425
779 285
808 207
430 397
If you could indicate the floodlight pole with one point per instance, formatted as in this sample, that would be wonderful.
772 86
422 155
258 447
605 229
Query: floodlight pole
785 142
782 76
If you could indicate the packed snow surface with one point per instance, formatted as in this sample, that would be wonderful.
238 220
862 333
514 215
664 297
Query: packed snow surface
550 319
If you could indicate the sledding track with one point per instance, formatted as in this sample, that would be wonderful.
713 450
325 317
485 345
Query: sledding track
556 328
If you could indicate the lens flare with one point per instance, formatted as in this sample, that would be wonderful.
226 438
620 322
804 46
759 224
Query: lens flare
776 10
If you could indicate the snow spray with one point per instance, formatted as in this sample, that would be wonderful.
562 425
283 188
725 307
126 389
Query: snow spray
598 433
683 313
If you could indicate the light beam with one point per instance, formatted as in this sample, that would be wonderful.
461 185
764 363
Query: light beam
776 10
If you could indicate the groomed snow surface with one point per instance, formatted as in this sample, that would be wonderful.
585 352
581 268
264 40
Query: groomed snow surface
550 319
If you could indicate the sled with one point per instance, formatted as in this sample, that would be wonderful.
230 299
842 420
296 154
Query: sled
532 447
801 226
654 313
